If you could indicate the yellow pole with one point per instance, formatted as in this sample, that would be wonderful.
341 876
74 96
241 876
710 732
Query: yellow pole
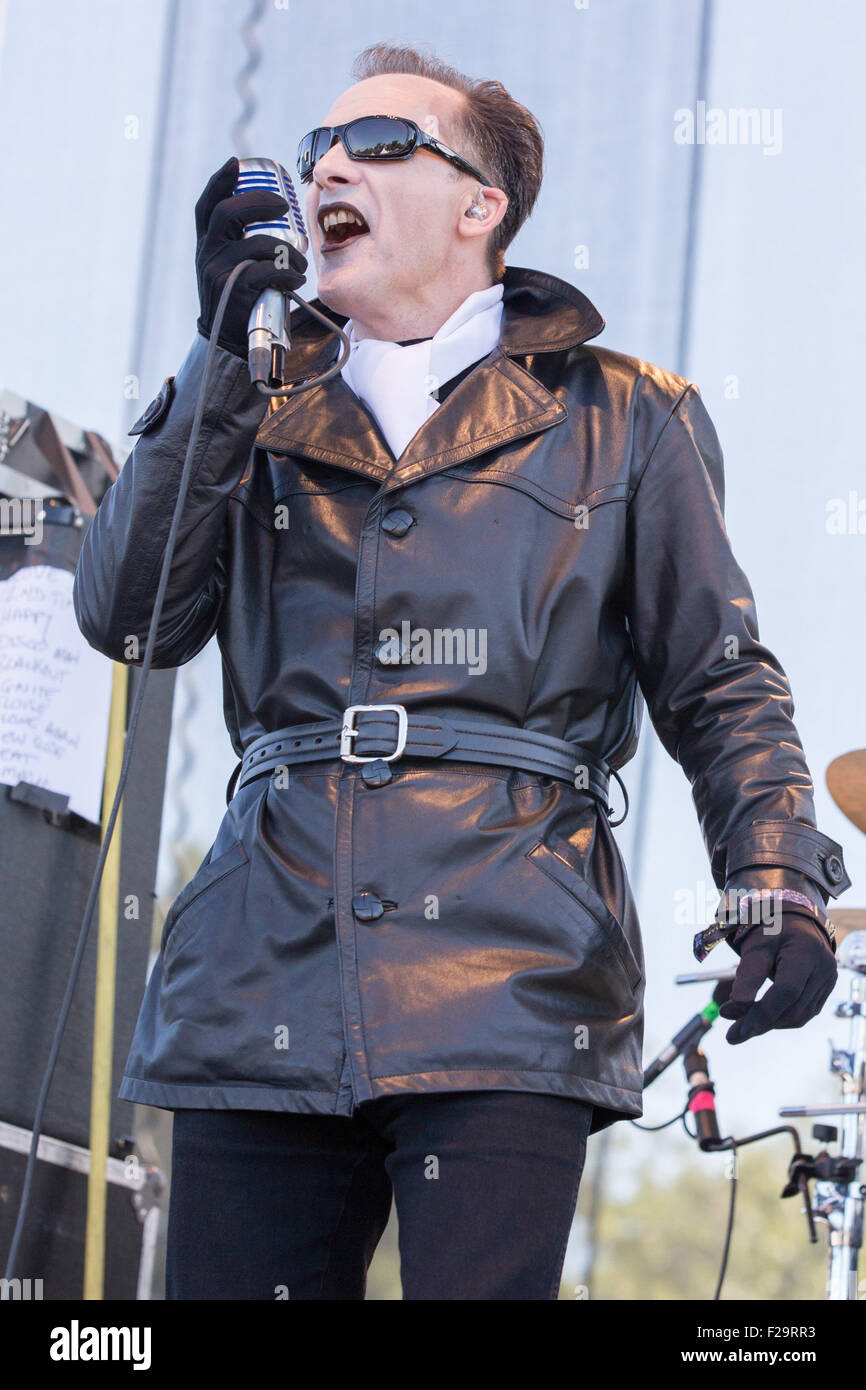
103 1010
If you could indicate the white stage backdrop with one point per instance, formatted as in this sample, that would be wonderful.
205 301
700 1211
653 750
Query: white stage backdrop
113 113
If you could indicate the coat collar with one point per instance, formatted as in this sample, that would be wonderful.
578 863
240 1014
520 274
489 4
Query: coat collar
328 423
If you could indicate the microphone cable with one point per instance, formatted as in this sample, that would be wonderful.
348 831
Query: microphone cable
84 932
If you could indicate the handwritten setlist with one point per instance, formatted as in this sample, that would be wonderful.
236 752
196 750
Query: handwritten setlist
55 691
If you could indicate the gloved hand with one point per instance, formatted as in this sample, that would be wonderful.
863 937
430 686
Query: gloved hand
220 218
799 960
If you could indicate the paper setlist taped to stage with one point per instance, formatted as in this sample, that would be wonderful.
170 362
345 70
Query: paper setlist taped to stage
55 691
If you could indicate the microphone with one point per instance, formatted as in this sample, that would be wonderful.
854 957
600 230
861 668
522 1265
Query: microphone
268 327
689 1036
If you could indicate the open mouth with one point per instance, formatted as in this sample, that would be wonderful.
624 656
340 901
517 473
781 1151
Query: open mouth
340 223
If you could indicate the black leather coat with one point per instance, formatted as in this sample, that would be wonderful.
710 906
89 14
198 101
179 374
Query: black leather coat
456 926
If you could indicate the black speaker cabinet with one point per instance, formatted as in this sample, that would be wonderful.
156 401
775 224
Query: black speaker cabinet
47 859
50 1261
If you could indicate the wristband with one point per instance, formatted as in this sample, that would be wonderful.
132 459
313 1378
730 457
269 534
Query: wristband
725 929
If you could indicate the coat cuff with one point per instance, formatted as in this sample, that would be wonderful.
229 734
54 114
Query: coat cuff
777 845
755 878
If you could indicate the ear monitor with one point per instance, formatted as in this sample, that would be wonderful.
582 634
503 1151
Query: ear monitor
479 207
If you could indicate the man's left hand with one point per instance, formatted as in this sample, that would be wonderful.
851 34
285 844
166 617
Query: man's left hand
799 960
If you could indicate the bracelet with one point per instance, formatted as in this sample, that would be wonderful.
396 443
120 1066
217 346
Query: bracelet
725 929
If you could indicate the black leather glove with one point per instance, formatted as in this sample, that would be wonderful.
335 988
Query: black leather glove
220 218
799 960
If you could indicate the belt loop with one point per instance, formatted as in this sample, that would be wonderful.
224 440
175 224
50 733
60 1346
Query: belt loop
230 785
614 773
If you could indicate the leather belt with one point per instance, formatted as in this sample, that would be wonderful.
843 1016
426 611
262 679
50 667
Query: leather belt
367 733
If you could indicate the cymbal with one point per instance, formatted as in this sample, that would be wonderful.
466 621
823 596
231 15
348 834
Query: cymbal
847 919
846 782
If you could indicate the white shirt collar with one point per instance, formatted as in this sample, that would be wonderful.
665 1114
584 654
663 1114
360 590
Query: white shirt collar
474 303
395 382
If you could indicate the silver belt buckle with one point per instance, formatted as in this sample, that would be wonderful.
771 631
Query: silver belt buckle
348 732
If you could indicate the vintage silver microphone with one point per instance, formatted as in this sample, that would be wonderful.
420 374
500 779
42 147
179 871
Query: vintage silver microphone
268 327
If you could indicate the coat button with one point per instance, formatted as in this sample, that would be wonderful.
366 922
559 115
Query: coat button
367 907
833 866
157 408
397 522
376 774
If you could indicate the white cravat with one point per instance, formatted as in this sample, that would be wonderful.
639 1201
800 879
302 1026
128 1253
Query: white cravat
395 382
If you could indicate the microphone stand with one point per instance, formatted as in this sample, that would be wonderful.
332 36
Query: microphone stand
839 1191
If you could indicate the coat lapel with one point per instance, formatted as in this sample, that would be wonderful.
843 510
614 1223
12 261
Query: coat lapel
498 402
329 425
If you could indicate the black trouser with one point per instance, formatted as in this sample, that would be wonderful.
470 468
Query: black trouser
267 1205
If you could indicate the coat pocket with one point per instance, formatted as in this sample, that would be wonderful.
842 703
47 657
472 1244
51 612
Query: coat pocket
180 922
552 862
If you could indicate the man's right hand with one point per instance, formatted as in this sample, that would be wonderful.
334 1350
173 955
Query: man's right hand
220 218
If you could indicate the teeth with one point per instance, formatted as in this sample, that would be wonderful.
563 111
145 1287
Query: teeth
334 219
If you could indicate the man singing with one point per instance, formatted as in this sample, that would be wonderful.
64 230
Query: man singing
443 582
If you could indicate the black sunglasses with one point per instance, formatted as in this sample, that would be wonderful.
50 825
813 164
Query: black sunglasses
375 137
